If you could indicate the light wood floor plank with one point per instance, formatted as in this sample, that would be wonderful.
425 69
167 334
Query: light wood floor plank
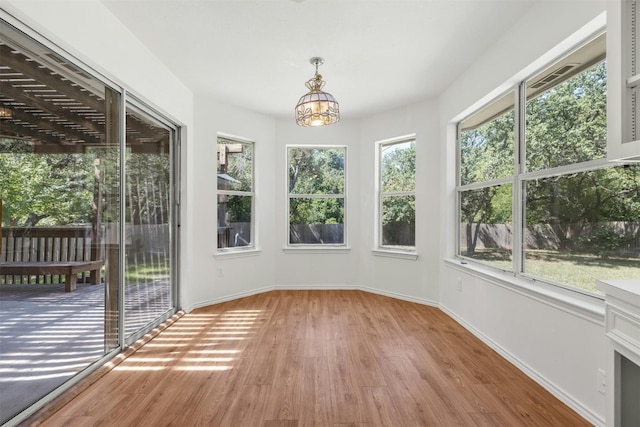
314 359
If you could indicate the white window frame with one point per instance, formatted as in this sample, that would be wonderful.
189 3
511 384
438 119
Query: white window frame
517 180
315 247
387 250
252 247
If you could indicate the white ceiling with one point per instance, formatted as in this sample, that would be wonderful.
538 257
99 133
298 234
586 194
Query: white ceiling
379 54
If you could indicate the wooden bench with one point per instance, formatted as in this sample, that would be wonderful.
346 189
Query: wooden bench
69 269
46 254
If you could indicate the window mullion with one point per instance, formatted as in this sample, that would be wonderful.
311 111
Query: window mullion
316 196
398 193
458 219
483 184
235 193
568 169
519 148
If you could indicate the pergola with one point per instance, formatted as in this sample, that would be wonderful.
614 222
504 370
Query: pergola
57 108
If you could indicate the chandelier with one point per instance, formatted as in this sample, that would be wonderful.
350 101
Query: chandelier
5 113
317 108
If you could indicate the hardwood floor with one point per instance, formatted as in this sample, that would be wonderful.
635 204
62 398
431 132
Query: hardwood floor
315 358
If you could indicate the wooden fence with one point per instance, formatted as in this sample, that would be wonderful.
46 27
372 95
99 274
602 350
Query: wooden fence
546 236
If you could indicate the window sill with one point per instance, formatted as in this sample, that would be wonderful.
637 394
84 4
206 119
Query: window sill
325 249
588 307
410 255
237 253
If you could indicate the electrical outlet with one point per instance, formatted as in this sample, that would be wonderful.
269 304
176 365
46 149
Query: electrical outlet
602 381
220 272
459 284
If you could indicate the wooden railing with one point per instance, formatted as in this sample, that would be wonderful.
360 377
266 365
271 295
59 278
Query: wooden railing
47 244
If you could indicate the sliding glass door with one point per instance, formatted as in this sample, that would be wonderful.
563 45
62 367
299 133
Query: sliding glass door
148 292
87 254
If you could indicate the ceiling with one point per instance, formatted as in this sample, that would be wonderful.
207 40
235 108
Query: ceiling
379 54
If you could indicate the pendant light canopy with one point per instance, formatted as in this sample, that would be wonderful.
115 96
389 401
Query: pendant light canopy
317 108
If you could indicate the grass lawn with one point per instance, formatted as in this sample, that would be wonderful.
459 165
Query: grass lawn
146 272
577 270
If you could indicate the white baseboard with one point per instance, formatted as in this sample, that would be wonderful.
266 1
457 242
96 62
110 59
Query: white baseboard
262 290
226 298
399 296
316 288
565 398
309 287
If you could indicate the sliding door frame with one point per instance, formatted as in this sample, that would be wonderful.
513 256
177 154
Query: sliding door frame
127 98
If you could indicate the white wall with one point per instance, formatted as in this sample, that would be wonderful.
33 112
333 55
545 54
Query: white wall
556 339
320 269
415 280
252 272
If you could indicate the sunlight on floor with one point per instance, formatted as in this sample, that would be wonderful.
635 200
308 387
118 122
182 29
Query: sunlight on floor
221 330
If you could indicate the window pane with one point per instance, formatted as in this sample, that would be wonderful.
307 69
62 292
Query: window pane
487 141
399 221
316 170
584 226
147 222
316 220
235 165
567 123
59 192
486 228
234 221
398 166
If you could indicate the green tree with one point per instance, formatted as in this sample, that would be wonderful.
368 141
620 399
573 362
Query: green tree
398 172
146 188
487 150
44 189
235 173
486 154
398 175
567 124
570 204
316 171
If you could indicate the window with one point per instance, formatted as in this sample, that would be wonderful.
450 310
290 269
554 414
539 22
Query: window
396 194
536 196
235 194
487 141
316 195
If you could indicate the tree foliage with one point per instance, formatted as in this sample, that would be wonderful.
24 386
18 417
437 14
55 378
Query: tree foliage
39 189
147 178
316 171
487 151
398 174
235 173
565 125
568 124
60 189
